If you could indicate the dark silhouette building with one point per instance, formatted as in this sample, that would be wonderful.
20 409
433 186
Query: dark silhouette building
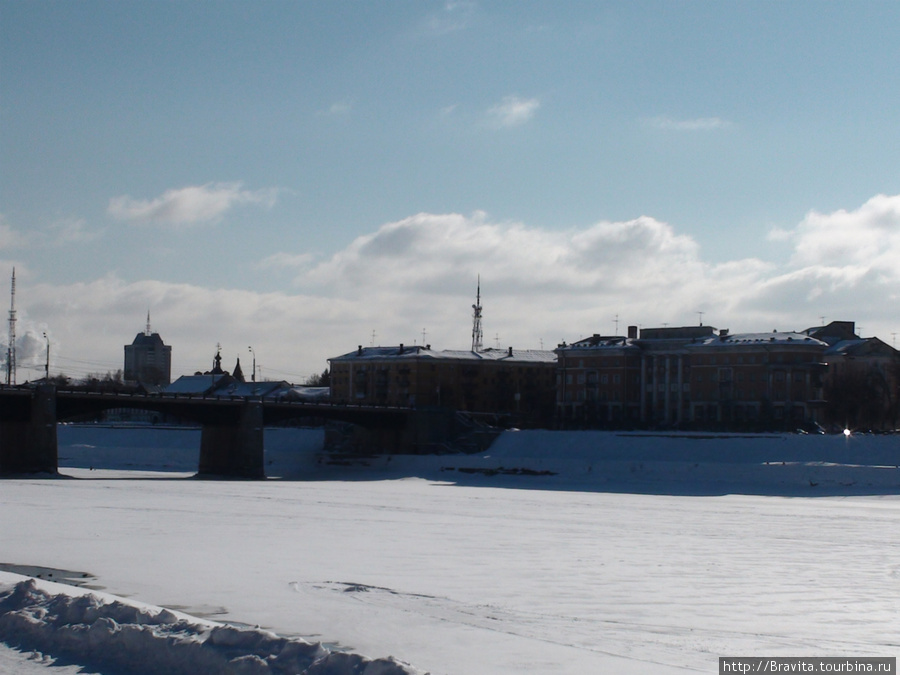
147 359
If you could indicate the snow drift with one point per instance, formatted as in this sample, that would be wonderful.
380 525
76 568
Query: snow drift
101 631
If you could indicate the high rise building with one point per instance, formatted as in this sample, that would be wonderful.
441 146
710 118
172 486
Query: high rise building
147 359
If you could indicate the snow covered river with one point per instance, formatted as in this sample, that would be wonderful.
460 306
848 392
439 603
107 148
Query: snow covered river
492 578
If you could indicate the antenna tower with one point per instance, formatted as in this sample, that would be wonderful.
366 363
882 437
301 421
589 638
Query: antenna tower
477 333
147 331
11 350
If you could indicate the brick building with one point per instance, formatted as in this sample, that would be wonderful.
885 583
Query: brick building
692 375
515 383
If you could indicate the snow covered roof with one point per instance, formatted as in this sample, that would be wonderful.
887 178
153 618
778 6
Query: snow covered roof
308 393
862 346
194 384
414 352
758 339
602 342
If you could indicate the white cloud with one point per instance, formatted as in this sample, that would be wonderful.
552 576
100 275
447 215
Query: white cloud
537 285
868 237
340 108
189 205
513 111
696 124
336 109
72 231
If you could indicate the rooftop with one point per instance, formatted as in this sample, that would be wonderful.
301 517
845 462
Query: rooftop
419 352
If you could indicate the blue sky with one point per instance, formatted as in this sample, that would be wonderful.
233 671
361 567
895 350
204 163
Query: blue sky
297 175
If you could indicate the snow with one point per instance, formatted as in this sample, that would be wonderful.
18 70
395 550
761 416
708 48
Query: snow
550 553
106 632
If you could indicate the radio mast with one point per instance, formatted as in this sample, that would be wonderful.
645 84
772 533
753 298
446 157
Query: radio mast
477 334
11 349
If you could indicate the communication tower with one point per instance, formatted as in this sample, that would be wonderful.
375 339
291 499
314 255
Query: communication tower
11 349
477 334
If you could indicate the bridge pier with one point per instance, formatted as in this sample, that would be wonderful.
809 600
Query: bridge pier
232 445
28 444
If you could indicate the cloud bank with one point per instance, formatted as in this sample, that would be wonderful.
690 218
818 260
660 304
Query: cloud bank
539 287
189 205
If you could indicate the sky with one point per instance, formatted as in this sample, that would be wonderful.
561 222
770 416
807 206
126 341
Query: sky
293 179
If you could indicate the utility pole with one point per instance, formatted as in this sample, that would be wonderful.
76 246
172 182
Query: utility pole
47 362
253 372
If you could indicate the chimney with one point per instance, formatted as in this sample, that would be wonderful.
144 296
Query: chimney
401 348
510 351
632 332
359 351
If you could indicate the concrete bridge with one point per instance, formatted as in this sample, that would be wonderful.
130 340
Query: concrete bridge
231 439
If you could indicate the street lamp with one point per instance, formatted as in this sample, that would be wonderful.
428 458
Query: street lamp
253 372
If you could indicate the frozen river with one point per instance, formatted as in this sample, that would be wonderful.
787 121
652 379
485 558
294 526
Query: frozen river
493 578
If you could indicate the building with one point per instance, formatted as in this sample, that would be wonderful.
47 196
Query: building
862 384
769 380
148 360
690 376
518 384
598 381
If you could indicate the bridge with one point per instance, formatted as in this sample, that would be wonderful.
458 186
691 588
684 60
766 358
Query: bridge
231 439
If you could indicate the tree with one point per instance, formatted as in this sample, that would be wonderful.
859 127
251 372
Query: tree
322 380
860 398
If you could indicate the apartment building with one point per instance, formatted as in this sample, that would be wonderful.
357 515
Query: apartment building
690 375
509 382
148 360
